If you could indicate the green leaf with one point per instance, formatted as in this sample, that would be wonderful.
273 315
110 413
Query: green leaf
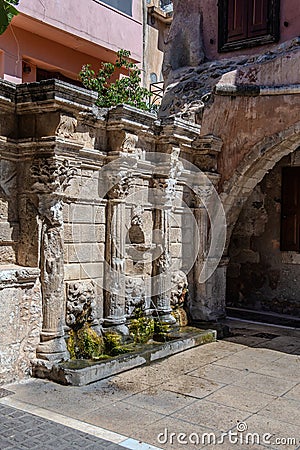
7 13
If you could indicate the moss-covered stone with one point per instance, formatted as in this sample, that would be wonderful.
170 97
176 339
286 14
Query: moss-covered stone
141 327
85 344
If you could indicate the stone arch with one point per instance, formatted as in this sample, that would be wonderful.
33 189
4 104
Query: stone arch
263 157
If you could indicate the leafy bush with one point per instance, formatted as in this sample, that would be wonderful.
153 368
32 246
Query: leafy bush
125 90
7 12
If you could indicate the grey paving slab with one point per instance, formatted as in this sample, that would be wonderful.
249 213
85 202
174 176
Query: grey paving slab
212 415
15 434
265 383
205 389
125 418
241 398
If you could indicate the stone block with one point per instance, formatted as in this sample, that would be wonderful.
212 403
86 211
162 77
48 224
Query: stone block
72 233
7 254
79 253
98 253
81 213
72 272
99 214
176 250
91 271
93 233
3 210
8 232
176 235
20 325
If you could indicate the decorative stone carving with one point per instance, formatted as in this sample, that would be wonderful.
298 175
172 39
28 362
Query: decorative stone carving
166 185
80 304
129 143
120 183
50 177
66 127
178 297
163 262
135 295
50 174
137 216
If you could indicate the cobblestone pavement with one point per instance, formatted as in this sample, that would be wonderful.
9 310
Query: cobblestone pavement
247 383
20 430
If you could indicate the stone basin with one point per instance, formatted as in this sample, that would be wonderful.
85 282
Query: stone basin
83 372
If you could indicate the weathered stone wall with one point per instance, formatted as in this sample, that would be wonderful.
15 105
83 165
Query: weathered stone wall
20 321
94 233
260 275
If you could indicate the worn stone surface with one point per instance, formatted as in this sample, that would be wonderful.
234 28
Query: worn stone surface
260 275
20 322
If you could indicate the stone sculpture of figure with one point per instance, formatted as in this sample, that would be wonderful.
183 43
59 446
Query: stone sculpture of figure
184 46
178 297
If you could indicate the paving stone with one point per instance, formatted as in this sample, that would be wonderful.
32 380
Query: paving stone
158 400
54 435
283 409
278 429
242 398
193 386
214 372
211 415
266 384
122 418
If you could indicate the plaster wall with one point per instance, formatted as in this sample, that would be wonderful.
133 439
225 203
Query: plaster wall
30 48
91 20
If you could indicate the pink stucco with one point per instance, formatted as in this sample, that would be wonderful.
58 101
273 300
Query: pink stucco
64 35
289 13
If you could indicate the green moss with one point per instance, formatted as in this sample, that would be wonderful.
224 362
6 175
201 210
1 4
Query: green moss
161 330
85 344
113 344
141 327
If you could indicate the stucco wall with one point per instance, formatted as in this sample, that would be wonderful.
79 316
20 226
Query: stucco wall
90 20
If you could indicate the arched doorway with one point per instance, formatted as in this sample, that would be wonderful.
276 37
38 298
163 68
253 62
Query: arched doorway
263 274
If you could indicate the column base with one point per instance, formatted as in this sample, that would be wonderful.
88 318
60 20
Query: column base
52 348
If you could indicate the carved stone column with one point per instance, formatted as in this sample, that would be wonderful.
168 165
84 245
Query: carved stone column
115 308
161 267
165 190
50 177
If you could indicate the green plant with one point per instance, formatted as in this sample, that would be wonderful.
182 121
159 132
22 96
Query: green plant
141 327
7 13
113 344
85 344
126 89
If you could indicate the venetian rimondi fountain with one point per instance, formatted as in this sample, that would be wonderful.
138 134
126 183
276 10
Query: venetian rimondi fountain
107 259
151 241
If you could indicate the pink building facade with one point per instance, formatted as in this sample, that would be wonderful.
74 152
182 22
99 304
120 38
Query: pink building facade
59 37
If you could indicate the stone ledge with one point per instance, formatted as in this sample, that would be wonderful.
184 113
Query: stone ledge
83 372
12 276
53 91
